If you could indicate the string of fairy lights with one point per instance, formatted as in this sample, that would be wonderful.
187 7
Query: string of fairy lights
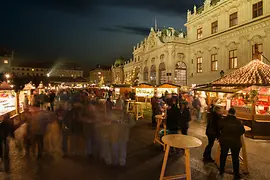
255 72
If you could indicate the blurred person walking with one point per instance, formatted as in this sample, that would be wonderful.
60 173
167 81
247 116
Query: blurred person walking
185 117
6 130
212 132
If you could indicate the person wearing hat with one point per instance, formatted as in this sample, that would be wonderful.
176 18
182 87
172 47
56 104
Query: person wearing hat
184 117
231 130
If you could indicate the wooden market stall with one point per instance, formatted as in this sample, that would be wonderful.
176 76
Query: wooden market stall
41 88
144 92
247 89
170 88
121 88
8 99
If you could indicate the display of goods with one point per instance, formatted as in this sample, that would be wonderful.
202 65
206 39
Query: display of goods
4 95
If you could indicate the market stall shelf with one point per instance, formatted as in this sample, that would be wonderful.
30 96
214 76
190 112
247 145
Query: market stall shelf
7 100
247 89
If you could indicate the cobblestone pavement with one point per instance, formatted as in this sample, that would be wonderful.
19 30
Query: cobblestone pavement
143 162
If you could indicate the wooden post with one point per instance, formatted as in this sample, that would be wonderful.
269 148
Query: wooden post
164 162
17 102
244 154
187 161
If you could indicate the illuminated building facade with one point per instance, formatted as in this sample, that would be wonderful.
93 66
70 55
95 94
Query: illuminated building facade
6 57
99 73
45 69
222 36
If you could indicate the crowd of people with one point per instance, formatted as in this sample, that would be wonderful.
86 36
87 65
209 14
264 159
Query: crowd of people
100 117
79 114
227 130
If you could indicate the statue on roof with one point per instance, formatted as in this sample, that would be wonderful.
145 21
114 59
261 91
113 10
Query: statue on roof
195 9
207 4
188 14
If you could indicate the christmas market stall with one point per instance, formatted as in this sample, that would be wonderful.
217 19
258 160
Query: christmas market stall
169 88
121 88
7 100
247 89
144 92
41 88
25 95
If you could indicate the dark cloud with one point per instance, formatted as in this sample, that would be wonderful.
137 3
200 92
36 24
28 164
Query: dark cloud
85 7
144 31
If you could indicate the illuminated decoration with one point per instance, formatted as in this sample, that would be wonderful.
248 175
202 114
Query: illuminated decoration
40 86
254 73
29 86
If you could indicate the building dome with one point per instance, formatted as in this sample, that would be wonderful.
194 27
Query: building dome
119 62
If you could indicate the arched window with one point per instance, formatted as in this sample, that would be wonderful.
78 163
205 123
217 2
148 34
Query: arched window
162 73
162 57
153 75
145 74
180 74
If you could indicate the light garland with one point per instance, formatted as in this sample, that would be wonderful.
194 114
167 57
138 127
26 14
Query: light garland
255 72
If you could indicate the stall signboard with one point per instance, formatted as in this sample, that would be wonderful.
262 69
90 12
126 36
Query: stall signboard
161 91
145 92
7 101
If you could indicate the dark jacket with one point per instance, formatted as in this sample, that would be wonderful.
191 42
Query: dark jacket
212 128
172 118
231 130
6 127
184 118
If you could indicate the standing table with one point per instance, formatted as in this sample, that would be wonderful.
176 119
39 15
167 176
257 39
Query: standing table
160 119
243 158
179 141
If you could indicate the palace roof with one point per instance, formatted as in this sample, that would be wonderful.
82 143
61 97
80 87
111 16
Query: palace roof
254 73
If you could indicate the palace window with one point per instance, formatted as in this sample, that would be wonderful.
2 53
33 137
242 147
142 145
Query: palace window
180 74
162 73
199 64
214 65
233 59
199 33
5 61
214 27
257 51
257 9
145 74
233 19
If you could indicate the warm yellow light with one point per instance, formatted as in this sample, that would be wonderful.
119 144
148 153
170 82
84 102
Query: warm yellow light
7 76
33 69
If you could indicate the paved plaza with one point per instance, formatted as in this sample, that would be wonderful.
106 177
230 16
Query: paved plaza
143 162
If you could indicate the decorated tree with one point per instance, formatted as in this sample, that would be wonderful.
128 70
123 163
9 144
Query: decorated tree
101 82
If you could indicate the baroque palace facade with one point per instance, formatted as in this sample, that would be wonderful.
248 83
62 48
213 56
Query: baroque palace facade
222 35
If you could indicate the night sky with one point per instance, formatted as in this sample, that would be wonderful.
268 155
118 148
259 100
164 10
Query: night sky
89 32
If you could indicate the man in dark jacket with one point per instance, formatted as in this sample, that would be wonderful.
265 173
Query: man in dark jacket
231 130
184 117
172 118
212 132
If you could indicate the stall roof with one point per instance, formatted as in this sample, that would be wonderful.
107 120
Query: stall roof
5 86
254 73
218 89
144 85
121 85
168 85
